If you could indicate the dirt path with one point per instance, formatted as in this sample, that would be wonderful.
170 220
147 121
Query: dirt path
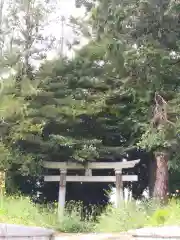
93 237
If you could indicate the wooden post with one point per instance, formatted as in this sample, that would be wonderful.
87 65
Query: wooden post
88 172
62 193
2 183
119 187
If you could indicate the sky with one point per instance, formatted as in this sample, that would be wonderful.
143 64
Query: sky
65 8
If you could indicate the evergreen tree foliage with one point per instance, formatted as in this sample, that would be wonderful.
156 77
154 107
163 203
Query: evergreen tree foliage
143 47
119 92
21 32
75 115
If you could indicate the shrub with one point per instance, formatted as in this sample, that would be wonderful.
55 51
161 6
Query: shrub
159 217
72 223
127 216
166 215
132 215
76 218
20 210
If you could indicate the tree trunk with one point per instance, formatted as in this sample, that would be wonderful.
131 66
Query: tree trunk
2 183
152 176
162 176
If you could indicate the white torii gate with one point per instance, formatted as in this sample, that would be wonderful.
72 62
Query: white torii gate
118 178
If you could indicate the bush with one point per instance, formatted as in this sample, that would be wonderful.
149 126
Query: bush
127 216
20 210
159 217
72 223
172 213
76 219
131 216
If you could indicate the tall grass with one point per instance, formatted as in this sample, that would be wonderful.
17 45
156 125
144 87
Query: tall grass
132 216
20 210
127 216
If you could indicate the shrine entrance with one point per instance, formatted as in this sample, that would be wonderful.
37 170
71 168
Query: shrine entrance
63 177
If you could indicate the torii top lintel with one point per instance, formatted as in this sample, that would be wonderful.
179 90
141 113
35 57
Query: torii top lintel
91 165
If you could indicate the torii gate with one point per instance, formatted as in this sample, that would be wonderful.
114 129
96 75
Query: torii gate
118 178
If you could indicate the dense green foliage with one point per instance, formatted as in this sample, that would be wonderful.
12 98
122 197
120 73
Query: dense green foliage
143 40
101 103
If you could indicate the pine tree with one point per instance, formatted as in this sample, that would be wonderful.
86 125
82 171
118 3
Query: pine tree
73 117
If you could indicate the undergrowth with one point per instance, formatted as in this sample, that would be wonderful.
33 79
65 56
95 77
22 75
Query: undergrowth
20 210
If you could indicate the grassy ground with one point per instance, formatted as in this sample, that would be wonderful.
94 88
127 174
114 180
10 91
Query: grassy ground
20 210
